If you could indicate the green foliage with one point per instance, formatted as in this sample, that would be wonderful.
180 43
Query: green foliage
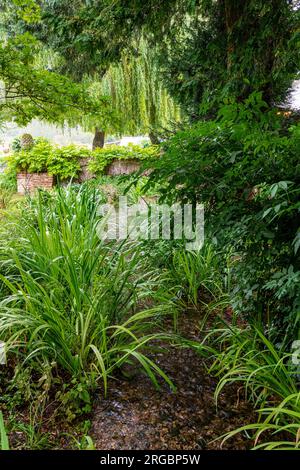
72 300
16 144
197 275
112 187
75 398
244 167
7 188
231 49
64 162
103 157
136 91
4 444
271 381
73 306
92 36
27 10
45 157
207 50
31 90
34 160
280 420
139 101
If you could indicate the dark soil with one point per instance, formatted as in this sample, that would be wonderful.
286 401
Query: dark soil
137 416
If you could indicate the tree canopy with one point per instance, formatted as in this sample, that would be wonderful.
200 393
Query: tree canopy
209 49
137 95
29 90
201 51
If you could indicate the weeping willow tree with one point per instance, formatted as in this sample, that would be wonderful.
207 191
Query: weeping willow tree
131 95
140 102
131 80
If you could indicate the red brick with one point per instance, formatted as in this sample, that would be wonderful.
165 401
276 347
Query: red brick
29 182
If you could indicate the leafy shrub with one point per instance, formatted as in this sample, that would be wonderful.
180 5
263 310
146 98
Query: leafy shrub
113 187
102 157
63 162
45 157
244 167
16 144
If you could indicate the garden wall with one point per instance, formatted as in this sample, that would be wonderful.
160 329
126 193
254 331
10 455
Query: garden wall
29 182
122 167
85 173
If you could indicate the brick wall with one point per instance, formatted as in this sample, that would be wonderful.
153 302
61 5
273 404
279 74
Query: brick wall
29 182
85 174
122 167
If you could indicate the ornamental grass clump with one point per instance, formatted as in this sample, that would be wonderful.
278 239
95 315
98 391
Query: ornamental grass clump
71 299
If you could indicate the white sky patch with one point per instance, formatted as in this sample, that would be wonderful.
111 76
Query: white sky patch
294 98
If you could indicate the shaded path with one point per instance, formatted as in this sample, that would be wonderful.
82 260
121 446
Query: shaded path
136 416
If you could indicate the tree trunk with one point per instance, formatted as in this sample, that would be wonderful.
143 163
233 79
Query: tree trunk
234 10
99 139
153 138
